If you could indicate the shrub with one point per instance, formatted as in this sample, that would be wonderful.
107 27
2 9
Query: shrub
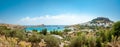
83 41
44 31
116 28
35 39
52 41
56 32
67 30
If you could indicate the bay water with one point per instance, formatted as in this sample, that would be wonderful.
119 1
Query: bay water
48 27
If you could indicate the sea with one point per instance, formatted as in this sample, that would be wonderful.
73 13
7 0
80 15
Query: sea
48 27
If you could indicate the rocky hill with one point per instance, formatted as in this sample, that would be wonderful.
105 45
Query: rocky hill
99 21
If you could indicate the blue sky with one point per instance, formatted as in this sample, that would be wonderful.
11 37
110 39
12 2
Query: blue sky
63 12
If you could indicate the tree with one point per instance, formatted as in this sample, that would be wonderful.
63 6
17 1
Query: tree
56 32
34 30
44 31
116 28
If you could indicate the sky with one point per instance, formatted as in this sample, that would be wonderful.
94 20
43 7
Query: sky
57 12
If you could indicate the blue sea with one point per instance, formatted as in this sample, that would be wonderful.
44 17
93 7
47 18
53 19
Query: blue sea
48 27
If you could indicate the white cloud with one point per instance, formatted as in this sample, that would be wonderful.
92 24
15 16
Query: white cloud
62 19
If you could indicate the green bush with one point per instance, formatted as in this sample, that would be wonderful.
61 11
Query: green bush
66 30
44 31
52 41
83 41
56 32
116 28
35 39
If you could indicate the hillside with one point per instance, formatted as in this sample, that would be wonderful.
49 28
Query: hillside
99 21
12 26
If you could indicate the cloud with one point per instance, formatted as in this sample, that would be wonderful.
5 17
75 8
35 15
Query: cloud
62 19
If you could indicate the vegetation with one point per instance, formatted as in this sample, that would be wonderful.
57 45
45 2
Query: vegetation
56 32
66 30
101 37
35 39
44 31
52 41
116 28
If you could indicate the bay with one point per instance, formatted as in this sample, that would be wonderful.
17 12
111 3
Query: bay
48 27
